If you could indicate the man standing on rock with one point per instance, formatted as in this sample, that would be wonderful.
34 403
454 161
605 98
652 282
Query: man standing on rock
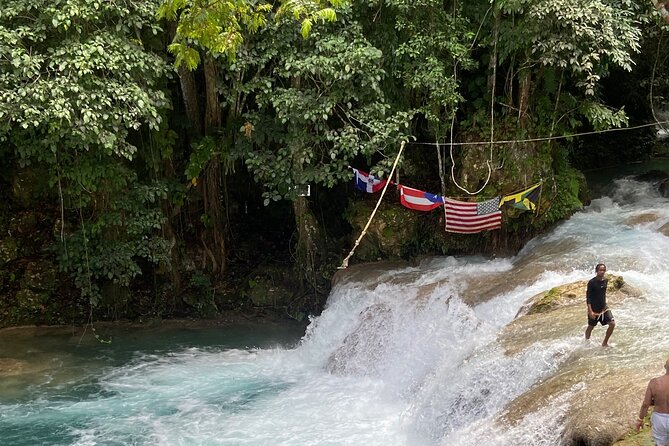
595 297
657 394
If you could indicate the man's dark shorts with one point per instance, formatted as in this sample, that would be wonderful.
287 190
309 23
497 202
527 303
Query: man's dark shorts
603 319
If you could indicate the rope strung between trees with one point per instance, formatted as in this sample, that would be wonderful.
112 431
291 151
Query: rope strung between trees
546 138
344 264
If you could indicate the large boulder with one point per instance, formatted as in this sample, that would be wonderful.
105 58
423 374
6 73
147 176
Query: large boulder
361 351
664 229
388 232
265 291
641 219
574 294
664 188
600 401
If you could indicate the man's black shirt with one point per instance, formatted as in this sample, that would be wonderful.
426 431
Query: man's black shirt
596 294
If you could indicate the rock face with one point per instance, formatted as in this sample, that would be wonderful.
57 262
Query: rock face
360 352
652 176
664 188
656 176
387 233
601 400
8 250
665 229
574 294
37 284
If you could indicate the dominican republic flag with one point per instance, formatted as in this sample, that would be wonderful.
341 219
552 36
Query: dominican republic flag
419 200
367 182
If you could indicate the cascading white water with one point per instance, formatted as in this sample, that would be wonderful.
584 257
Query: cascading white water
400 356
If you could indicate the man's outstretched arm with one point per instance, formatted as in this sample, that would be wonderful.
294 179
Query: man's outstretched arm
647 401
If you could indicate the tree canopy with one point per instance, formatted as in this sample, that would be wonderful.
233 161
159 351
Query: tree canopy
167 127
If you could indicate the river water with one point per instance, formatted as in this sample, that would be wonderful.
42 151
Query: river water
402 355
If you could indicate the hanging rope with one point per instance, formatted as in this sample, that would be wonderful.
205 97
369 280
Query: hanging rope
344 264
492 124
455 76
462 188
652 80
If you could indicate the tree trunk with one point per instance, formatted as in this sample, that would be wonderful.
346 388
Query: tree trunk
492 64
306 224
189 94
213 236
307 242
440 162
175 259
524 89
212 117
188 90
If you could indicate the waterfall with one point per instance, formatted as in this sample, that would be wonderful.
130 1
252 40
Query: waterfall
430 332
435 353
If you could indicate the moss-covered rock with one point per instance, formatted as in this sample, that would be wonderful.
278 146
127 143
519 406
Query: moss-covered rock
9 249
200 296
39 276
31 301
574 294
388 232
265 291
203 303
599 401
642 438
271 286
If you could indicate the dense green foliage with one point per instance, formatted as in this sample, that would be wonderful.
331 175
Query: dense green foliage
77 88
176 136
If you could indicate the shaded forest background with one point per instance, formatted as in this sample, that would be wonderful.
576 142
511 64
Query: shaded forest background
154 155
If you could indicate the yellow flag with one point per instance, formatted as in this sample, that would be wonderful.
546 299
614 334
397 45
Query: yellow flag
526 200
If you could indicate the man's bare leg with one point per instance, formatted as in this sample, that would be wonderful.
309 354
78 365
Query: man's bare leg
588 332
609 330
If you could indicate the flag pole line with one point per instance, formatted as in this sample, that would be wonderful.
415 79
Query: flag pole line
464 197
344 264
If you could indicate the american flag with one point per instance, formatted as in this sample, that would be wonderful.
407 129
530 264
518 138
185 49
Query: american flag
470 218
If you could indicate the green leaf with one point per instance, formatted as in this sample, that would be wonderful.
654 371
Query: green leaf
305 29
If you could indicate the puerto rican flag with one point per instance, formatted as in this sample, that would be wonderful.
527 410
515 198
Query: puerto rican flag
367 182
418 199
